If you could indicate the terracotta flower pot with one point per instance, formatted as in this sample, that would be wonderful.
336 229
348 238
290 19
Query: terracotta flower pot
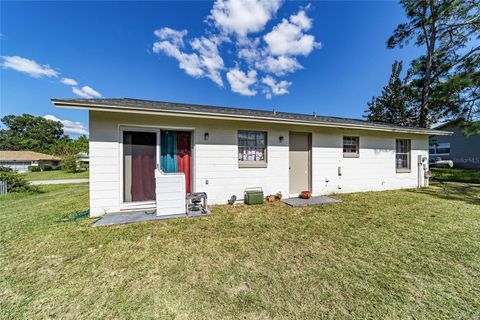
305 194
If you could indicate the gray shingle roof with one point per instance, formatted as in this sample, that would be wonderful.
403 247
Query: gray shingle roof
207 110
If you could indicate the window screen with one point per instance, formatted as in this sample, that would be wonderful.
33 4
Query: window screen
440 148
350 145
252 146
402 156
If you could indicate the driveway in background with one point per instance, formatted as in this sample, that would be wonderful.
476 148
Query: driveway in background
64 181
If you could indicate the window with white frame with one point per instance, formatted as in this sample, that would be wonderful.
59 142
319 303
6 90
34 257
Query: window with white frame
439 148
351 146
252 148
402 155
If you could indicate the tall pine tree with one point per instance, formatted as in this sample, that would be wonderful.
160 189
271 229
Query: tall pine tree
394 104
445 80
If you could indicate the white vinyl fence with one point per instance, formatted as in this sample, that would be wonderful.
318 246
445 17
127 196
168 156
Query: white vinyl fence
3 187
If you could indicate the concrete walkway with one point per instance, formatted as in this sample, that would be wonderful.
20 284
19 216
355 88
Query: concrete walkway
64 181
113 219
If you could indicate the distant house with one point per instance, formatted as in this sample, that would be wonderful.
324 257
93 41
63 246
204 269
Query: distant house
83 160
462 150
20 160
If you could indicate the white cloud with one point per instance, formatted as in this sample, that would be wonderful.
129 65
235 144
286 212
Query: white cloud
278 65
173 36
91 92
36 70
69 81
209 57
29 67
250 55
301 20
86 92
232 27
274 87
190 63
69 127
248 50
286 41
241 17
240 82
259 58
287 37
205 62
80 93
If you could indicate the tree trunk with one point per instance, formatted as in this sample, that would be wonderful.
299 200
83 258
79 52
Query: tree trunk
424 107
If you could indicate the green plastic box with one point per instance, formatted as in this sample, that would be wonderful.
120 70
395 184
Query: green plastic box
253 196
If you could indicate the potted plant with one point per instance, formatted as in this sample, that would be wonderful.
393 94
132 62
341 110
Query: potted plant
305 195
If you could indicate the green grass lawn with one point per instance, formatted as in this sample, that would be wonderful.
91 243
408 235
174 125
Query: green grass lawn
379 255
456 174
54 175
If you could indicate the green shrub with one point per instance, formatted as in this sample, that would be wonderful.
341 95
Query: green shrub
16 183
34 168
45 167
69 164
5 169
83 166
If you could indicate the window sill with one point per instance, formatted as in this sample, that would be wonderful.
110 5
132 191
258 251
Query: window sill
404 170
253 164
351 155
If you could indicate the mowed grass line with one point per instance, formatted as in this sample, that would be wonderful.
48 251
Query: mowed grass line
393 254
456 174
54 175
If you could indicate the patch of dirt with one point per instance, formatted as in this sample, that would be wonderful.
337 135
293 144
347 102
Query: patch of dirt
242 288
54 260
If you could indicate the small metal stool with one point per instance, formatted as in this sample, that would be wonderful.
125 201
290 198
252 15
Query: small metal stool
196 203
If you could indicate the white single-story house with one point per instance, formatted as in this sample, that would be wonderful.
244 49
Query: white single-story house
20 160
222 151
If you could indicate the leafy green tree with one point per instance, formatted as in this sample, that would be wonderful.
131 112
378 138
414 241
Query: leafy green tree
28 132
81 144
470 128
445 80
69 164
65 146
394 104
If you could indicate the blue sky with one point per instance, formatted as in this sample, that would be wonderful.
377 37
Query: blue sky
328 57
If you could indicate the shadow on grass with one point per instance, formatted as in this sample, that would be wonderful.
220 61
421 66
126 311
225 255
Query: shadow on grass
469 193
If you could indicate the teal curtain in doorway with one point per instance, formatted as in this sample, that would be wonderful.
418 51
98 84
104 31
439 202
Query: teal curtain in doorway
168 150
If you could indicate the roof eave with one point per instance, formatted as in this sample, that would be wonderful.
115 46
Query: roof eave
119 108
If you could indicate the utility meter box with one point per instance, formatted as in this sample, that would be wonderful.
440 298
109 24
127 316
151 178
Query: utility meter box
253 196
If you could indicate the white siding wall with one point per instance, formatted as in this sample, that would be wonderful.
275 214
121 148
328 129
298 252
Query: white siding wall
373 170
216 168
